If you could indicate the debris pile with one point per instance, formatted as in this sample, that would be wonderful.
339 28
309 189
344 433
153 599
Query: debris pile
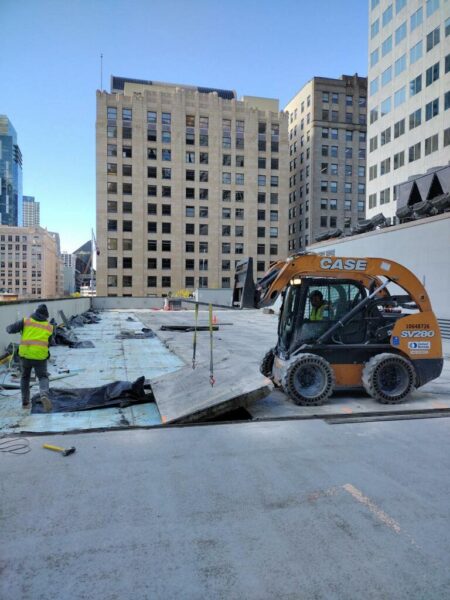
63 335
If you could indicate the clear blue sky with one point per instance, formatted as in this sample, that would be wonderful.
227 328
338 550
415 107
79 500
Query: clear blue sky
50 70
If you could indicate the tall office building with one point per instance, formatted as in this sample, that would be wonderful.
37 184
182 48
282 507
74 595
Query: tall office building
189 181
10 175
31 211
409 95
327 148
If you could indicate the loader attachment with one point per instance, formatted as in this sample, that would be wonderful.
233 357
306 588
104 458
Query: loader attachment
244 286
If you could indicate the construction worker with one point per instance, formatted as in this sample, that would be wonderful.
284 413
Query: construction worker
319 309
33 351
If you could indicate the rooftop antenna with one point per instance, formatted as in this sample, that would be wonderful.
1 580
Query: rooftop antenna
101 72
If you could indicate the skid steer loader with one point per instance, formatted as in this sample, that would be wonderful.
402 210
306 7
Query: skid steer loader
345 323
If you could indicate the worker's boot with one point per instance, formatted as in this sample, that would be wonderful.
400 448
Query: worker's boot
46 403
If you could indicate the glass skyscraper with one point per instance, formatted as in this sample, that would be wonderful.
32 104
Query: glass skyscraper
10 175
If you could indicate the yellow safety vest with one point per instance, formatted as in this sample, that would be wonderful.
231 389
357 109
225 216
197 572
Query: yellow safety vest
316 314
34 342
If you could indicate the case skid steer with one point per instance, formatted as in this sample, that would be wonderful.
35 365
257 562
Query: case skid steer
345 323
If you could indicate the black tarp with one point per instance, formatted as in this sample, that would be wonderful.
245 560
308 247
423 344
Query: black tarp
118 393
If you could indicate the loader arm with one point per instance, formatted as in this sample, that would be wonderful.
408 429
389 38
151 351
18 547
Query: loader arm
368 271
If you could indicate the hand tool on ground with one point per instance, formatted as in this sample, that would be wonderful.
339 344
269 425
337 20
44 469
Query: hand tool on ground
64 451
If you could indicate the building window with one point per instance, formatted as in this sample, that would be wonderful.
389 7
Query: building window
373 172
385 196
387 15
416 19
127 262
385 107
399 128
431 144
400 96
373 87
414 152
112 206
374 29
373 115
399 160
432 109
385 166
374 57
432 6
151 172
415 53
385 136
127 188
415 118
386 76
446 100
151 154
386 46
166 154
433 38
432 74
415 85
261 180
400 33
166 173
400 65
151 190
372 200
447 136
239 179
373 143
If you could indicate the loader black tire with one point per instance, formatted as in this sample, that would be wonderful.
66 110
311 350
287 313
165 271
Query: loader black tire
309 380
267 363
389 378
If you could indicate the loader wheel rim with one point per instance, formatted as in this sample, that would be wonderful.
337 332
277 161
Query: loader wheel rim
310 381
392 379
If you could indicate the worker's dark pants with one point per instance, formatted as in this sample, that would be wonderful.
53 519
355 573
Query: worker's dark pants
40 368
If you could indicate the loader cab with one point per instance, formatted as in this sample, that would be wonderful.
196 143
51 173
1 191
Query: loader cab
312 305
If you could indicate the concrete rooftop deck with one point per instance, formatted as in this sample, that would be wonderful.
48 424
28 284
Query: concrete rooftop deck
293 509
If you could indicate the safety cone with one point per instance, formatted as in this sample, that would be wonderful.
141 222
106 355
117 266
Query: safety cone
214 320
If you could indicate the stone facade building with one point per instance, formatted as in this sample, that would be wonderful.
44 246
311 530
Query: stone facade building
30 265
189 181
327 153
